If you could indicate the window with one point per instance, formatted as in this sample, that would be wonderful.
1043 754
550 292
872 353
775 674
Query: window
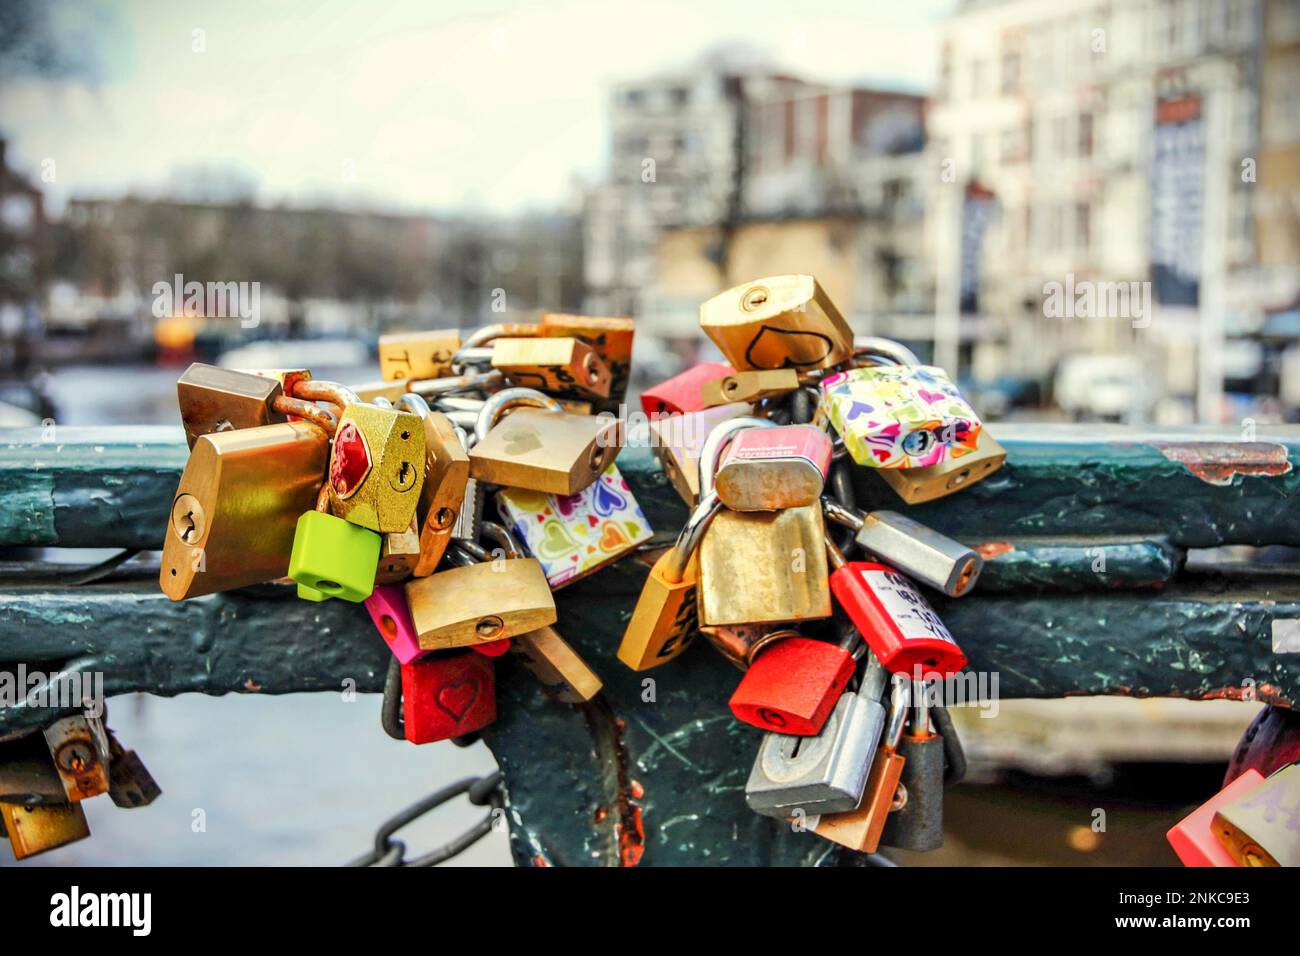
1085 134
1011 71
1083 226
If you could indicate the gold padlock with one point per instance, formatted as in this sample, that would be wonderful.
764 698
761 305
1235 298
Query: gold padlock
215 399
398 555
417 355
539 447
549 658
749 386
35 828
563 365
778 322
478 603
233 518
610 337
915 485
741 643
446 479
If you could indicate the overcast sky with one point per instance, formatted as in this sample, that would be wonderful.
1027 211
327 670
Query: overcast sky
437 105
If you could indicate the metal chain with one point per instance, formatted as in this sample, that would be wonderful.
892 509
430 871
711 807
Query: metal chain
482 791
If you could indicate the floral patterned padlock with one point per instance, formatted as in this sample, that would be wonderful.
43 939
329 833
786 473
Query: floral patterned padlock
573 535
899 416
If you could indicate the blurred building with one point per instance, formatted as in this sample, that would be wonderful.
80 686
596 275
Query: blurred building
23 263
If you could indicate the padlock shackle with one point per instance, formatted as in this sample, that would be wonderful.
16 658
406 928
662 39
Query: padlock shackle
415 404
719 437
307 411
501 535
509 398
878 347
474 355
432 387
500 330
319 390
837 559
691 535
842 514
900 702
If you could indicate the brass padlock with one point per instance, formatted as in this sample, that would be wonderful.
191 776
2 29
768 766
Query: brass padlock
417 355
35 828
915 485
749 386
741 643
233 519
559 668
562 365
778 322
539 447
610 337
446 480
398 555
479 603
215 399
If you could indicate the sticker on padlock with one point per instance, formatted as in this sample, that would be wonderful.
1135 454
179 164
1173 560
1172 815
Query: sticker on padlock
681 393
447 695
770 469
826 772
918 485
898 416
574 535
678 440
776 322
793 685
1193 838
1262 828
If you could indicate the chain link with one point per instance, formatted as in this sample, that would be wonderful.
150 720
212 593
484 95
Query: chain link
482 791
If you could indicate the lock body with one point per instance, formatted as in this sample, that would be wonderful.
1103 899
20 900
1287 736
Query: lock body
389 390
917 485
417 355
681 393
556 665
233 519
770 469
749 386
860 829
333 558
792 687
1193 838
777 322
398 556
460 607
213 399
574 535
387 609
376 469
741 643
677 440
1262 828
39 827
779 556
131 785
611 337
918 824
543 450
442 497
80 750
664 622
562 364
896 621
447 695
920 552
899 416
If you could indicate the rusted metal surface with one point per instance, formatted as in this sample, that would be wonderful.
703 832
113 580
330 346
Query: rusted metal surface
1219 462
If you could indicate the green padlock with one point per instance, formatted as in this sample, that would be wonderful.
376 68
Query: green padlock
333 558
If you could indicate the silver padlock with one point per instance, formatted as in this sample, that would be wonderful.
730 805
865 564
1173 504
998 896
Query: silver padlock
469 522
919 552
826 773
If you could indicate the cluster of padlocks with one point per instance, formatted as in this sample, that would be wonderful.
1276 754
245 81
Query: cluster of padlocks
478 476
1253 821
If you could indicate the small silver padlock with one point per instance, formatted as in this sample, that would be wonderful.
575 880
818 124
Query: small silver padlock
826 773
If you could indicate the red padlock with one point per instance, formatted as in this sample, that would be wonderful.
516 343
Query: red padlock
1193 837
447 695
681 393
792 686
897 623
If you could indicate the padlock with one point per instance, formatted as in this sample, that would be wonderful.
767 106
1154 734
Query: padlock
769 469
130 784
898 623
764 568
794 684
663 623
898 416
35 828
860 829
777 322
390 390
446 480
233 518
1193 838
677 441
574 535
417 355
376 470
917 485
825 772
681 393
559 668
741 643
610 337
918 824
398 556
1262 828
478 603
213 399
79 747
387 609
447 695
289 378
565 365
538 447
749 386
332 557
922 553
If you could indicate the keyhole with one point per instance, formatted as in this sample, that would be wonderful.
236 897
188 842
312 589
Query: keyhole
755 298
404 478
798 743
188 518
489 627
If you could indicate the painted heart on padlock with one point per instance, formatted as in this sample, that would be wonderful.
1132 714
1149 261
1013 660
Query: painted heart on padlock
813 346
520 438
556 541
350 461
455 700
613 537
605 499
568 505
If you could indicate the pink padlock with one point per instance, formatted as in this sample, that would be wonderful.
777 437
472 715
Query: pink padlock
387 607
769 469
